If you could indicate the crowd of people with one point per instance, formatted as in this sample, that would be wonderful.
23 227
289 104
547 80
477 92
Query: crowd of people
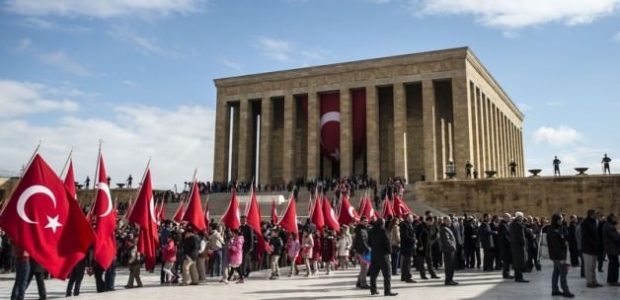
394 246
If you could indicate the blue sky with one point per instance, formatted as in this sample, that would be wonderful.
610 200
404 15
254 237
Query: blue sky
139 73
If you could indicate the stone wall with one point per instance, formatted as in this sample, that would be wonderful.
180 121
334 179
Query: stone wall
535 196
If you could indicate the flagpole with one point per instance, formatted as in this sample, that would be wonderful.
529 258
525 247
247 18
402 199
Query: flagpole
66 163
96 179
6 201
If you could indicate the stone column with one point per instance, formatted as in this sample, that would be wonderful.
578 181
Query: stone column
521 167
372 132
475 160
313 136
462 123
429 128
346 133
245 132
493 158
486 136
400 126
287 153
222 135
266 118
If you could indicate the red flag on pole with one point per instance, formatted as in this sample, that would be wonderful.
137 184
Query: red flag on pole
347 214
400 207
178 216
70 181
289 217
43 219
143 214
317 214
274 212
162 210
231 217
254 221
329 216
193 213
105 244
367 210
387 208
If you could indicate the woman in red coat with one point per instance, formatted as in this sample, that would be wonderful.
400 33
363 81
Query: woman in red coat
328 250
316 251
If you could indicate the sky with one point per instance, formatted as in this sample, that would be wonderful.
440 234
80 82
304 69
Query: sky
138 74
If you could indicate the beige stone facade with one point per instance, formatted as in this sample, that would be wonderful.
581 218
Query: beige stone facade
437 105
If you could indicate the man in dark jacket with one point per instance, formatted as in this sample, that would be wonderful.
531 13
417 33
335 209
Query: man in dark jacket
487 242
361 247
191 246
611 243
556 242
248 245
518 246
572 242
590 247
380 258
407 245
423 249
448 247
504 246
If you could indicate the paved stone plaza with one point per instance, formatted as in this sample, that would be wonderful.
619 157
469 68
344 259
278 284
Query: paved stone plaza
474 284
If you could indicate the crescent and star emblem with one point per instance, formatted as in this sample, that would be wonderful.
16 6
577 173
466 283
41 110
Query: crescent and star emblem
332 116
52 222
351 211
152 210
106 189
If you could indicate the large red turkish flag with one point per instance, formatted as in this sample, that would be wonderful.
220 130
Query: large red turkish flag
254 218
330 126
143 214
329 216
103 212
347 214
193 213
230 218
289 217
41 218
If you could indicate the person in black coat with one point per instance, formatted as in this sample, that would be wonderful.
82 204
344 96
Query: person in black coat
590 247
556 242
448 247
423 249
518 246
611 242
487 241
380 250
494 224
37 271
504 246
572 242
407 246
248 245
361 247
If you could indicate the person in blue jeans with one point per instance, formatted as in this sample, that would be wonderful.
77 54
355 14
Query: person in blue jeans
110 276
22 271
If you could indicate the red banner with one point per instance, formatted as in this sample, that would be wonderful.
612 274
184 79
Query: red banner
330 126
359 121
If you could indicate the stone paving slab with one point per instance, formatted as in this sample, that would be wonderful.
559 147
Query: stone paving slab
474 284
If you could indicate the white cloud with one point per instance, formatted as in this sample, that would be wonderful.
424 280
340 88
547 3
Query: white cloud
558 137
275 49
510 14
142 44
103 8
286 52
231 64
61 60
44 24
524 107
24 44
177 139
24 98
130 83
